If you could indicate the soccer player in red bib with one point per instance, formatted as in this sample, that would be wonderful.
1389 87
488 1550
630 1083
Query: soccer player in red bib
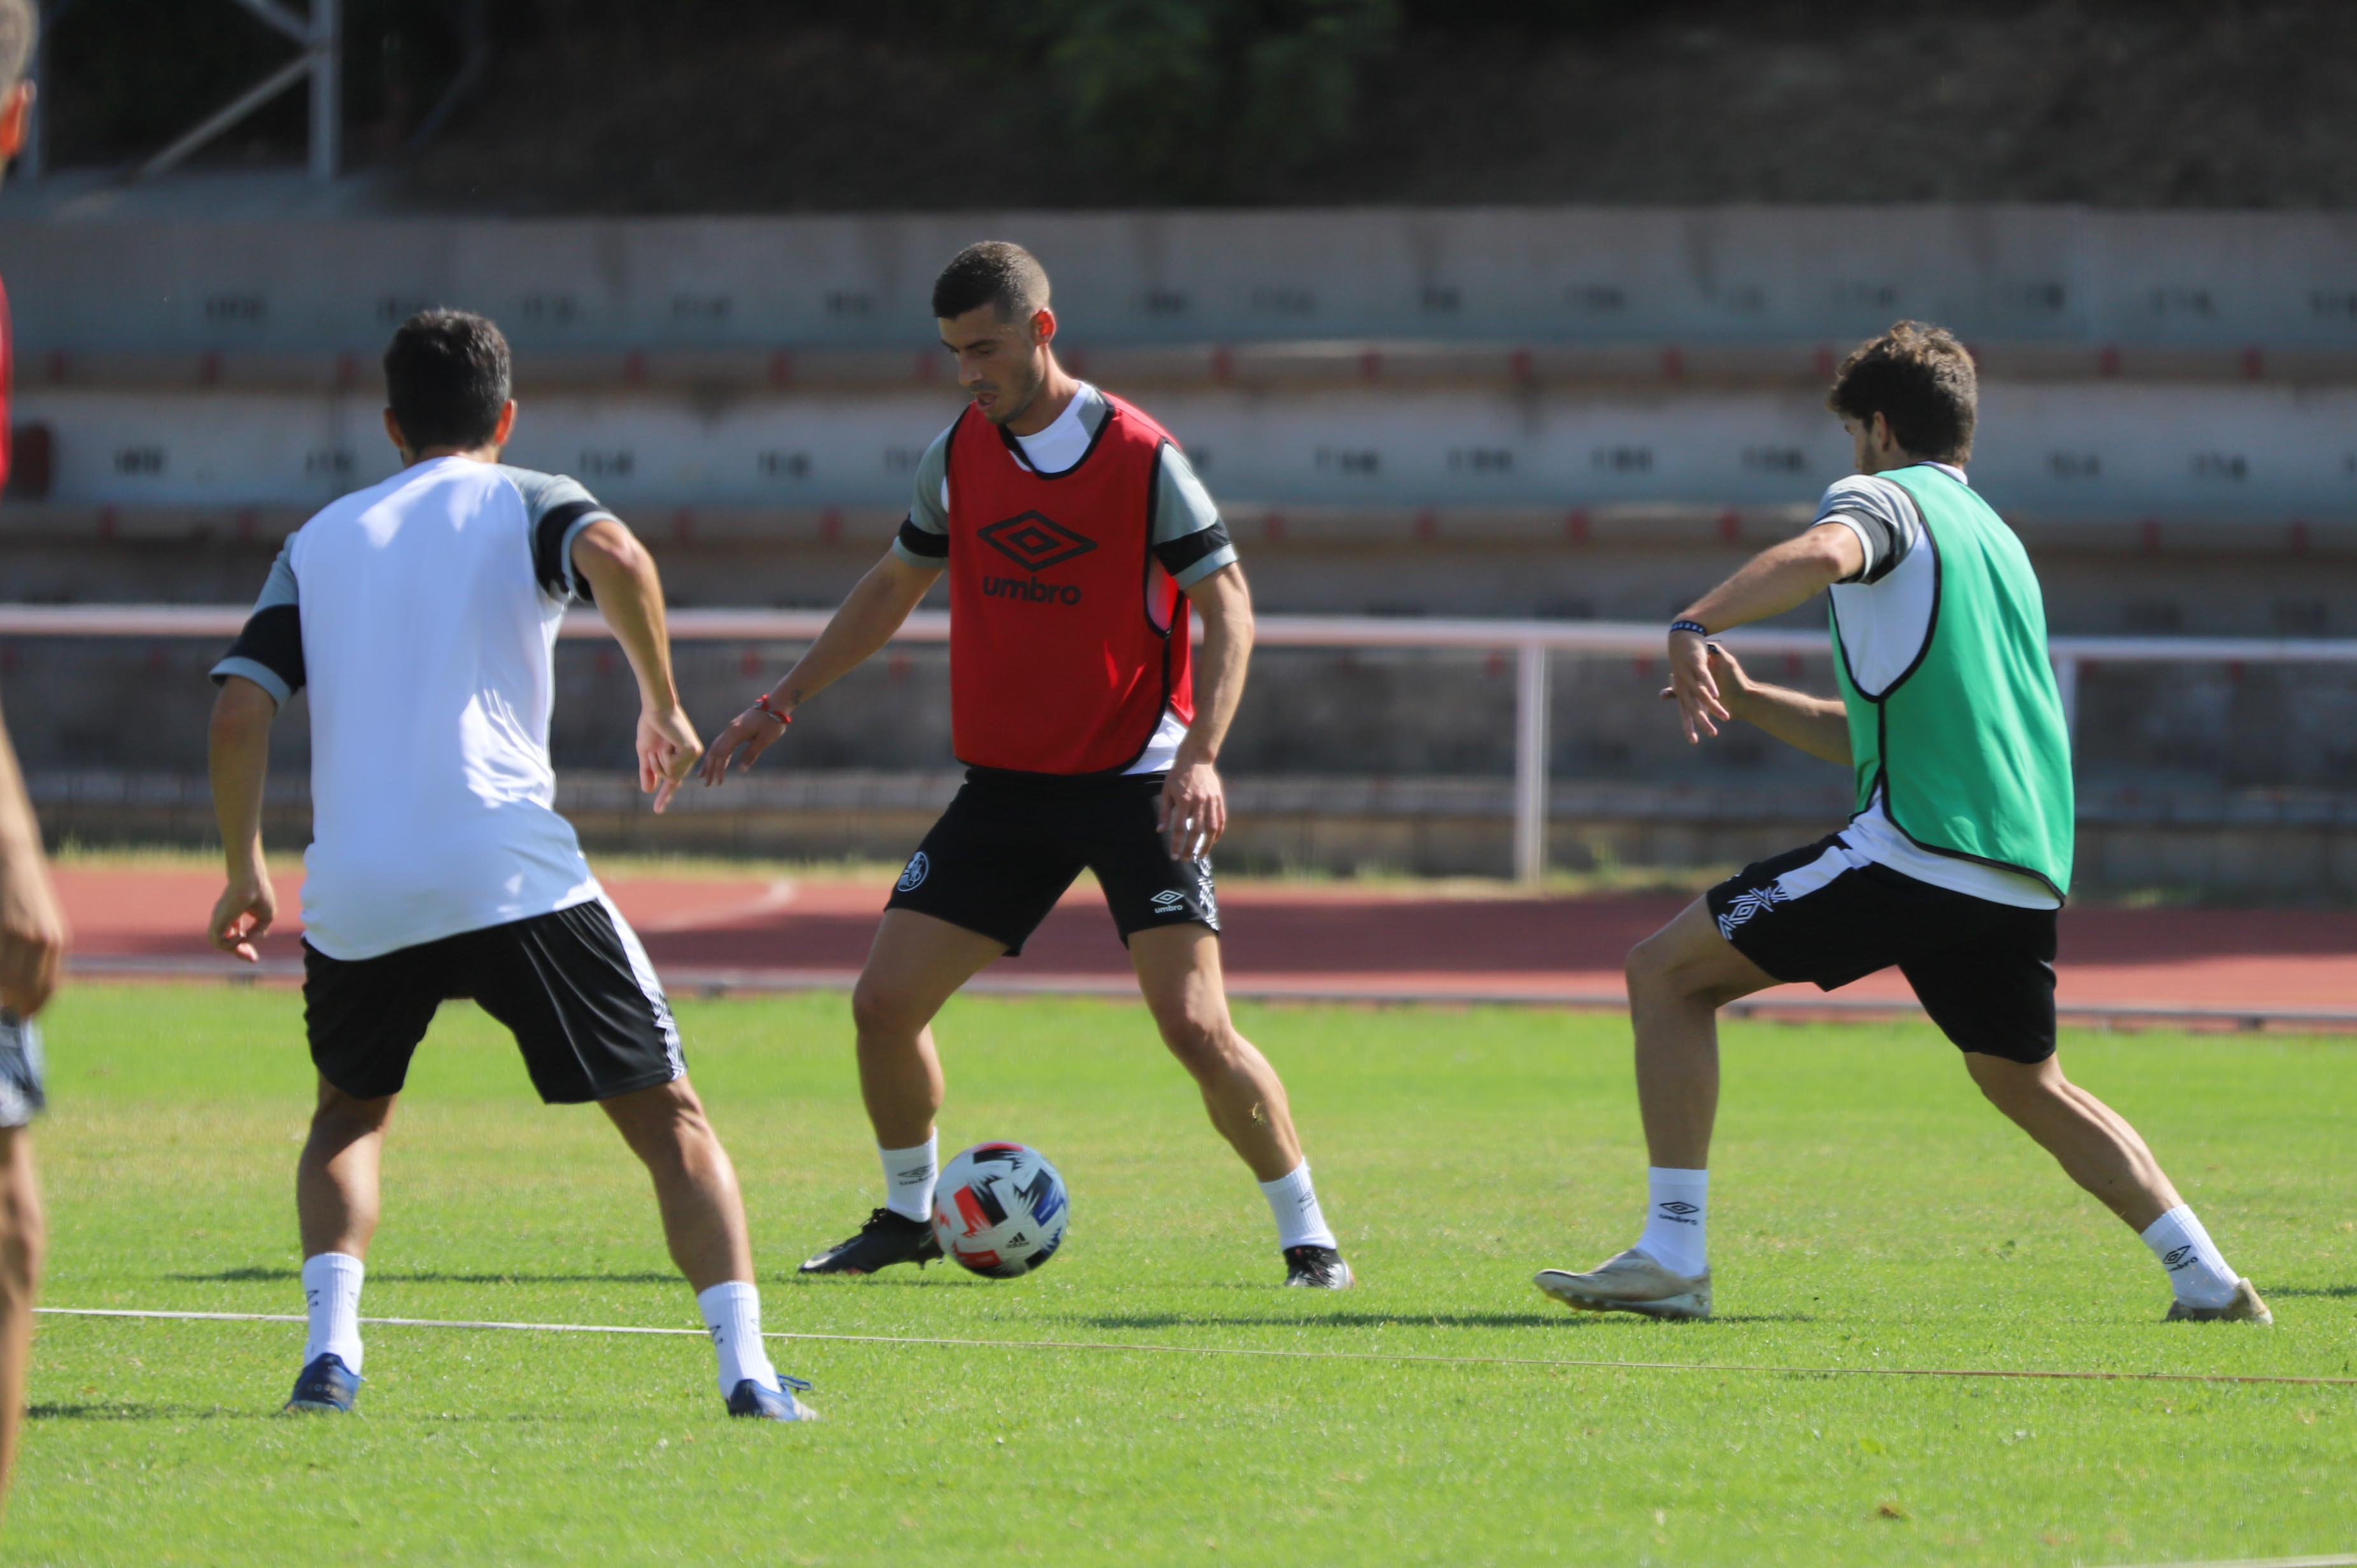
1077 540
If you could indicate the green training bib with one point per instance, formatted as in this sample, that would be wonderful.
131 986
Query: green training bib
1969 746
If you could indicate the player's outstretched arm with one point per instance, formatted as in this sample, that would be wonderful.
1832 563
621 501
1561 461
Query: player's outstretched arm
32 922
1818 726
877 607
1194 807
240 751
629 593
1780 578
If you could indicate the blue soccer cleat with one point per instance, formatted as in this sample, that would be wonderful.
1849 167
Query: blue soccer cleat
771 1404
327 1385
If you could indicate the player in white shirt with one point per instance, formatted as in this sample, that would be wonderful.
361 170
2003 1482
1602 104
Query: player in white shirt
423 613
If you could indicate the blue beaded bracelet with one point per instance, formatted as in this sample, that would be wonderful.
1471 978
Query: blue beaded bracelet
1692 626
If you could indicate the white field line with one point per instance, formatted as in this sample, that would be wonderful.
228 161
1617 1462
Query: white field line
2339 1560
1141 1349
777 895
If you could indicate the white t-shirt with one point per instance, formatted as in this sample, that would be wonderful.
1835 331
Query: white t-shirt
422 613
1884 614
1189 535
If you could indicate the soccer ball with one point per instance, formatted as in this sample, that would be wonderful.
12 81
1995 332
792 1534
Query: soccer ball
1000 1209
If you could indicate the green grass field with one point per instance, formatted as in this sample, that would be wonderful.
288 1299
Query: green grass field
1869 1212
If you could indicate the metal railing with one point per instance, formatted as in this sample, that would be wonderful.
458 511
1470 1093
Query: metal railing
1532 643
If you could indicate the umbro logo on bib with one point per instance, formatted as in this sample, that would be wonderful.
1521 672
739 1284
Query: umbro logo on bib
1034 542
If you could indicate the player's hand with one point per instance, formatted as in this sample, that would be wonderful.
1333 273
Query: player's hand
33 935
748 735
1193 810
243 914
1735 687
1694 686
667 752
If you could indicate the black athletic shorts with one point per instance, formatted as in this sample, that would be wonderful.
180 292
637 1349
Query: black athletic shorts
1984 971
1011 843
573 987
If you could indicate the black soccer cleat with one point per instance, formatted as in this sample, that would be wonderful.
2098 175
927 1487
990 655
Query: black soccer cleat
1315 1268
887 1239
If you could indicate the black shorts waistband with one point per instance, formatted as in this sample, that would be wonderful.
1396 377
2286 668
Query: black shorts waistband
1060 783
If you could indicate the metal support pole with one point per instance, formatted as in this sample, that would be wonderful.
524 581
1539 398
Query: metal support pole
1531 764
326 54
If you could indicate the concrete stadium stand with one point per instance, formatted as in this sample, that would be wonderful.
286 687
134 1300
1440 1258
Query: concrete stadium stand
1695 277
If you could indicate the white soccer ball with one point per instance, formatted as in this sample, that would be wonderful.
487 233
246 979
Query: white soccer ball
1000 1209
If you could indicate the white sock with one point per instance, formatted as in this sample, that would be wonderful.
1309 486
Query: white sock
2196 1272
1294 1201
331 1287
1674 1234
908 1178
733 1313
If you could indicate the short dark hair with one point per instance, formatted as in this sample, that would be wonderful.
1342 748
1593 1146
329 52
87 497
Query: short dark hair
446 378
20 32
1920 379
994 273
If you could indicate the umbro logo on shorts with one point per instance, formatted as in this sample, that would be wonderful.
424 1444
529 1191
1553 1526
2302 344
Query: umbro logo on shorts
1170 901
1034 541
1744 905
914 875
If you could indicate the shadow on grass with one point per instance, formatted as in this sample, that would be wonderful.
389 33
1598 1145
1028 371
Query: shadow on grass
1400 1320
117 1411
259 1275
2330 1293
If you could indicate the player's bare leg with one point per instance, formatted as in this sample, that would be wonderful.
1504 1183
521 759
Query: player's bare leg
695 1185
1179 974
24 1235
336 1181
703 1225
335 1206
1678 980
917 963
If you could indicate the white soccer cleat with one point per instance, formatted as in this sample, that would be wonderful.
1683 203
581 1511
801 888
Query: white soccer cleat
2246 1307
1630 1282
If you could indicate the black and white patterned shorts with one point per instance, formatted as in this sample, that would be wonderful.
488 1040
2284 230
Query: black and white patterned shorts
1984 971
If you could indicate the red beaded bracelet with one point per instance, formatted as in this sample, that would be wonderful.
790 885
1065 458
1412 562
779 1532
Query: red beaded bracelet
762 702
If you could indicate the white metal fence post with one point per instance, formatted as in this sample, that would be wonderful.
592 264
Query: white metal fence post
1531 764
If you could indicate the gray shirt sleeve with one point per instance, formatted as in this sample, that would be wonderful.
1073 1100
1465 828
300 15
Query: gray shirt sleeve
924 536
556 508
269 651
1189 538
1881 514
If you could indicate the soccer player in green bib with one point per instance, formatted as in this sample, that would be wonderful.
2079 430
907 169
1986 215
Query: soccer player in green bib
1956 861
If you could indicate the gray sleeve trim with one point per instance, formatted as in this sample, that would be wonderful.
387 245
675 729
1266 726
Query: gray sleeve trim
556 508
279 588
253 670
928 496
1182 505
1881 514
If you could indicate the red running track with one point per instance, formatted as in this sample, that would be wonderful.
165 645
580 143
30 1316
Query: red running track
1319 940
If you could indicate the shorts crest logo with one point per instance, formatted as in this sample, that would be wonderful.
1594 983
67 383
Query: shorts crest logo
914 876
1034 542
1744 905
